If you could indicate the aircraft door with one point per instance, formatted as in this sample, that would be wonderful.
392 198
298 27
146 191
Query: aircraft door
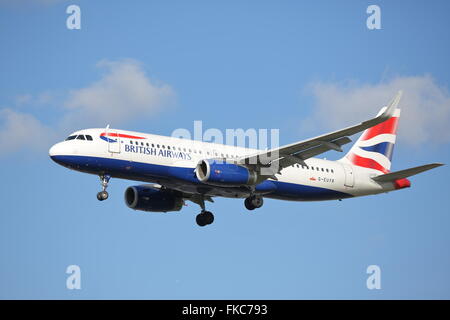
349 176
113 141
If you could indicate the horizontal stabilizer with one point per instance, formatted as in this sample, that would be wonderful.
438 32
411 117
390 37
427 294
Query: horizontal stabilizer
405 173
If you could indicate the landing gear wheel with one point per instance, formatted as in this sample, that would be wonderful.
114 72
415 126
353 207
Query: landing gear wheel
253 202
200 219
209 217
102 195
248 204
204 218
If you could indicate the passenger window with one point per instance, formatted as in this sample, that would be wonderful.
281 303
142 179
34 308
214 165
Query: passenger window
327 170
332 171
323 170
147 144
163 146
80 137
168 147
157 145
89 138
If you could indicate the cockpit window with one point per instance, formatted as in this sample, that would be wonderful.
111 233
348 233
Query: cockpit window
79 137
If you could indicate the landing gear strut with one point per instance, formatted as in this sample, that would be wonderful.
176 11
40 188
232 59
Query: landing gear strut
253 202
103 195
204 217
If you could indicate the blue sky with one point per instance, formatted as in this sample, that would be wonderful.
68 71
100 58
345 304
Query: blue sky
302 67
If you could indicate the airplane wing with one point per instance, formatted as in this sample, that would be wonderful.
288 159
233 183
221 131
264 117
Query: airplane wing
388 177
297 152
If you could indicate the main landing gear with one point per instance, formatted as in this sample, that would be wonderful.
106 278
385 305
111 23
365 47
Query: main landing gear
253 202
204 218
103 195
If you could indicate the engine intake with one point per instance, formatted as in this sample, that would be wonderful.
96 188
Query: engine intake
152 199
221 173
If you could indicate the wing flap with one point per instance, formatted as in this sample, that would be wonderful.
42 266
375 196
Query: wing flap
287 160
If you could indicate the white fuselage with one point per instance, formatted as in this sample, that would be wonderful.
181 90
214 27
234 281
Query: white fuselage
171 162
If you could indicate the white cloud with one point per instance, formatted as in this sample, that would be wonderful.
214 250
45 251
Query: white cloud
21 130
122 94
42 99
425 106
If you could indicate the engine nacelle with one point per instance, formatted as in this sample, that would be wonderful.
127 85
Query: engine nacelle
221 173
149 198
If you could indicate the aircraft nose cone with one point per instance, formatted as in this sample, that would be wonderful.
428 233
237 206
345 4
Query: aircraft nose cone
52 151
55 151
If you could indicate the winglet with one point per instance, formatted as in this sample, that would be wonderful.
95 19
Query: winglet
390 109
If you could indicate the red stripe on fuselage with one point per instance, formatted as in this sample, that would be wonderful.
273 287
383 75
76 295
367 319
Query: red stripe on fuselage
366 162
387 127
120 135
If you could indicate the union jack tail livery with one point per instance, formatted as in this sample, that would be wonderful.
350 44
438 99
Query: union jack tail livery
375 147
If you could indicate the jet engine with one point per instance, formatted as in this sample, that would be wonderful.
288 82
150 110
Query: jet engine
220 173
153 199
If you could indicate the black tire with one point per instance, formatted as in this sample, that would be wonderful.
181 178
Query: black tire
209 217
200 219
102 195
248 204
257 202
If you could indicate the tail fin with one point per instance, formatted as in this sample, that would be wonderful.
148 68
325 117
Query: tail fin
375 147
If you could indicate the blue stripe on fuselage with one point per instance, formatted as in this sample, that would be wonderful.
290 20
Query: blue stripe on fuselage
152 172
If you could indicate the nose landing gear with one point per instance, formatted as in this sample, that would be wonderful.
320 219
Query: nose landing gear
103 195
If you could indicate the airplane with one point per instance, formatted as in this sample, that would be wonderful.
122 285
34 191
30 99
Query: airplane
176 170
